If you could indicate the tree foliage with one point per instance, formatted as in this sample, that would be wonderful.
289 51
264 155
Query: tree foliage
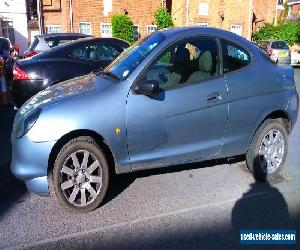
288 31
163 18
122 27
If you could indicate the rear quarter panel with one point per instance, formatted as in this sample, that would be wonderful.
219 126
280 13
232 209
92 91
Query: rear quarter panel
254 92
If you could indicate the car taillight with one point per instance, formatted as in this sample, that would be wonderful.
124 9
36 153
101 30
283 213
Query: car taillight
19 74
30 53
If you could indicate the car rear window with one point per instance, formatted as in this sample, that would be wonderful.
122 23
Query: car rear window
4 44
33 44
55 41
264 44
279 45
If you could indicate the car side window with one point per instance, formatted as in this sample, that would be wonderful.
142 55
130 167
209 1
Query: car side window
95 52
189 61
107 52
234 57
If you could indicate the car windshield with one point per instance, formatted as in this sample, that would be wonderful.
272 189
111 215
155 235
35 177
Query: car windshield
123 66
280 45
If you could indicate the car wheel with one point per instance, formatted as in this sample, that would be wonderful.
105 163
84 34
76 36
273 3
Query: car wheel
268 149
80 175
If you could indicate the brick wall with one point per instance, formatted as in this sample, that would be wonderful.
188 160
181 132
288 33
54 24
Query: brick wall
296 8
234 12
141 13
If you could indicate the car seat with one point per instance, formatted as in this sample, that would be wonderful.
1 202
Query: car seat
205 68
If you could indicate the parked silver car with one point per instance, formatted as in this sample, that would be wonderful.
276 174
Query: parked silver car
278 50
47 41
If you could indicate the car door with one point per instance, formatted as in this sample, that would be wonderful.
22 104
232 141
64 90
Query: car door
187 119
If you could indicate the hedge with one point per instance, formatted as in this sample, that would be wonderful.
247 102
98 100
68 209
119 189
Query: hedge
122 27
163 18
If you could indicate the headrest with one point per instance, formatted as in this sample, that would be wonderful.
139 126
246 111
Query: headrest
206 62
182 55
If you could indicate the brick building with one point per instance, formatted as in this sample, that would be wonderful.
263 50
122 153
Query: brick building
94 16
239 16
294 6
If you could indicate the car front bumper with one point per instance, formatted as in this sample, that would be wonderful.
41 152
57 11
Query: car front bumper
30 163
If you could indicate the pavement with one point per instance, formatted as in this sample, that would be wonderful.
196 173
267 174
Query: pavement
195 206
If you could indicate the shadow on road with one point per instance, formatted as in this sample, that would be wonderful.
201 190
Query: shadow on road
262 207
11 189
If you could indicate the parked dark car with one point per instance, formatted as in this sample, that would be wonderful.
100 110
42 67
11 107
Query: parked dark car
45 42
62 63
178 96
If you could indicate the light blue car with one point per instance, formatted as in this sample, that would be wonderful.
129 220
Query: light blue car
177 96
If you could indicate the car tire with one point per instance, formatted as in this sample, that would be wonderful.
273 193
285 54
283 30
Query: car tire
268 150
80 175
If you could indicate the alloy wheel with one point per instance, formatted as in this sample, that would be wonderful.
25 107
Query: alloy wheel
271 151
81 178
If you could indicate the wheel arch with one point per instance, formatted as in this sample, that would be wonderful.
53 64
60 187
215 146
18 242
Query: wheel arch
76 133
276 114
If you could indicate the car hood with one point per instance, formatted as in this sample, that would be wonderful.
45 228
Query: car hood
82 85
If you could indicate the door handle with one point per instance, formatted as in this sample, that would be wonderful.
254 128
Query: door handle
213 97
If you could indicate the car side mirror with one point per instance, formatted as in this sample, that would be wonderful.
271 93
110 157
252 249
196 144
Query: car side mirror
148 88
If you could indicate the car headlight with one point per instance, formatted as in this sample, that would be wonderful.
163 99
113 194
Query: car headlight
28 123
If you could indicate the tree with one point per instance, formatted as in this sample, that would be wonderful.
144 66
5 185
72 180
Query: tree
288 31
122 27
163 18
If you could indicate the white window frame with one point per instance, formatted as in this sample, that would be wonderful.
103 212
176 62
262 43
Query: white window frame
107 7
203 9
54 26
151 26
233 28
202 24
105 34
89 23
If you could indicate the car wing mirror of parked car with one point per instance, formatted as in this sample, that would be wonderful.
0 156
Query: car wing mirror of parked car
148 88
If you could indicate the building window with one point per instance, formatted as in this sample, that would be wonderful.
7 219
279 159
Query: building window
151 28
136 34
106 30
85 28
202 24
53 29
107 7
203 9
237 29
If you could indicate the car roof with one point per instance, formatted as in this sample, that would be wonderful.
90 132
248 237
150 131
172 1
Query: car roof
61 34
272 40
198 30
88 39
66 46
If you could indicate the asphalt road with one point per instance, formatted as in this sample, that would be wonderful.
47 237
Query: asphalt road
198 206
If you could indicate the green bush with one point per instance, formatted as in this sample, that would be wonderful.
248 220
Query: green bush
288 31
122 27
163 18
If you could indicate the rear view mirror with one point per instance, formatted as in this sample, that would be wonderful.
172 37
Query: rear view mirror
148 88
